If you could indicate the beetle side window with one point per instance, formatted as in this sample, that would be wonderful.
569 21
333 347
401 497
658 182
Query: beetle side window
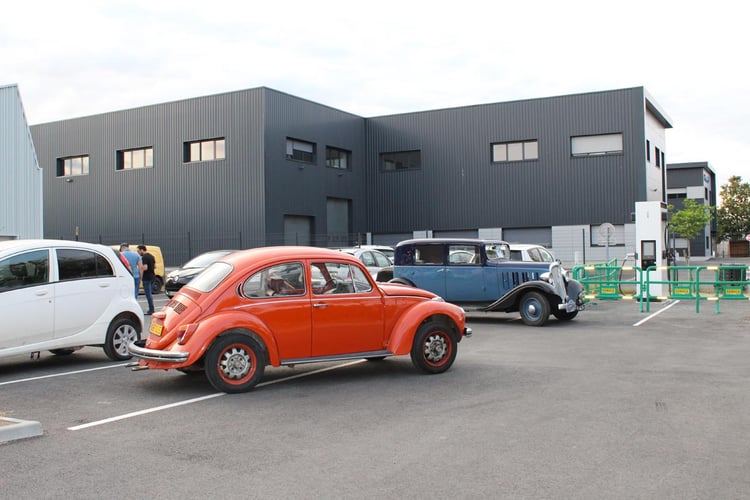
337 277
285 280
26 269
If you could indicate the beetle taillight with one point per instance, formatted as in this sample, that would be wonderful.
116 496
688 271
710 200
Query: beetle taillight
185 332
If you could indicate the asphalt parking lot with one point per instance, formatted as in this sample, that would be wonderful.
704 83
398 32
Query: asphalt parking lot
594 408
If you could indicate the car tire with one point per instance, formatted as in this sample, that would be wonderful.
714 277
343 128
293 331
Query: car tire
235 363
434 348
534 309
401 281
65 351
156 285
564 315
120 333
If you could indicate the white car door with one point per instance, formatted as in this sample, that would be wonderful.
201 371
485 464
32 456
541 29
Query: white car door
86 285
26 299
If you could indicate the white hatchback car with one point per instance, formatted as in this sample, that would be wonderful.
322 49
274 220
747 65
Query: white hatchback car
59 296
531 253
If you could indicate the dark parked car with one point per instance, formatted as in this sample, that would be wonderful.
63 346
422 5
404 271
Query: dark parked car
180 277
479 275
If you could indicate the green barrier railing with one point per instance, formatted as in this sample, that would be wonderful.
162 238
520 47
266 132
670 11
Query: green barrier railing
609 281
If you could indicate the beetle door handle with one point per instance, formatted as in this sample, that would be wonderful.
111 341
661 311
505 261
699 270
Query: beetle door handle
320 305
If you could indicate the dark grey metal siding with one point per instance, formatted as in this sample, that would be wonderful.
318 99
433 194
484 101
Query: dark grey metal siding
300 188
217 203
458 186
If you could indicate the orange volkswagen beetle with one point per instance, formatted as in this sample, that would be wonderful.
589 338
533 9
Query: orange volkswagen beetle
293 305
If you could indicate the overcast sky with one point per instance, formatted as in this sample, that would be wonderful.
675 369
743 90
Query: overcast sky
78 58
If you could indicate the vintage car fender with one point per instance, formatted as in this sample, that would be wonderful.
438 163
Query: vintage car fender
212 327
508 302
406 326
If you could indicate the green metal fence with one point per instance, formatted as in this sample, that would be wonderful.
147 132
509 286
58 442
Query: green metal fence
608 281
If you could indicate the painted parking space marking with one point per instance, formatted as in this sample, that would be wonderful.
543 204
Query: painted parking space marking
203 398
653 315
63 374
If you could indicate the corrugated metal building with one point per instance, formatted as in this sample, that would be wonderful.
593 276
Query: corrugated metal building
697 181
261 167
21 186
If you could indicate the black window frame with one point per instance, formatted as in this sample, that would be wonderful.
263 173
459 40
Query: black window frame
333 161
188 148
401 161
297 154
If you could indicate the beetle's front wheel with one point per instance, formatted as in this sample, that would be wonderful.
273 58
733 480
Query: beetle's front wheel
434 348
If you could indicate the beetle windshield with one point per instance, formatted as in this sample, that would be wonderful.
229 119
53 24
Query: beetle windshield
211 277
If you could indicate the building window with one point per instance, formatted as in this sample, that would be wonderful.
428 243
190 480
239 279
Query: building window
206 150
594 145
515 151
648 150
338 158
663 160
658 158
74 165
135 158
401 160
300 150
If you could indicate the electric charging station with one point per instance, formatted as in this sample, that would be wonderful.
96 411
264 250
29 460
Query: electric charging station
650 232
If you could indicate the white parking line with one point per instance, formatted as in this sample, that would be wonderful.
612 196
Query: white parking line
202 398
656 313
30 379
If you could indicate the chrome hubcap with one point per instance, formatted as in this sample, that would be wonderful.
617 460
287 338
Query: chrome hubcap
235 363
435 348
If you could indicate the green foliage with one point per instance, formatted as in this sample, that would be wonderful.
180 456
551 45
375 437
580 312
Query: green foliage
734 213
690 220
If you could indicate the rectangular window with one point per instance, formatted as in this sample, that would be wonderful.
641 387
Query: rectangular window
401 160
658 158
593 145
515 151
338 158
74 165
135 158
648 150
300 150
663 160
206 150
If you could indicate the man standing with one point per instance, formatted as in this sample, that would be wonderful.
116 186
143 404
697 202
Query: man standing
149 264
135 265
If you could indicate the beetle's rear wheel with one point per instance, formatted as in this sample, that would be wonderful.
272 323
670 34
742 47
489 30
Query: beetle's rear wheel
235 363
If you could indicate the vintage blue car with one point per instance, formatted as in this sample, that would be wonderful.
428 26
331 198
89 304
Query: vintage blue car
479 275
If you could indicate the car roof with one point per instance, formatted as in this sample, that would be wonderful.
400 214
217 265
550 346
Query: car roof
45 243
272 254
451 241
524 246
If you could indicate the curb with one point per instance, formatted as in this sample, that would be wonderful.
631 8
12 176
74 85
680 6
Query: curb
12 429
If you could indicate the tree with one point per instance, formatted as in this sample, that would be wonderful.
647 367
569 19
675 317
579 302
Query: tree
690 221
734 214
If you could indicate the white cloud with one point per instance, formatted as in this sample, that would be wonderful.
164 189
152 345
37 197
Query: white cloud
85 57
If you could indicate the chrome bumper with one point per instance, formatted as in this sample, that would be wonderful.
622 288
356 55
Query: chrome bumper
157 355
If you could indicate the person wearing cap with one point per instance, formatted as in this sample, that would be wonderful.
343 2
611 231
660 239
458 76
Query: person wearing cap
136 265
147 276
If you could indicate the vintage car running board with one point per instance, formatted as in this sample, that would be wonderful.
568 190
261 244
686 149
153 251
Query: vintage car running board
342 357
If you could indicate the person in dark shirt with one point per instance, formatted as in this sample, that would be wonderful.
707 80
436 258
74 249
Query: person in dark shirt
147 278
